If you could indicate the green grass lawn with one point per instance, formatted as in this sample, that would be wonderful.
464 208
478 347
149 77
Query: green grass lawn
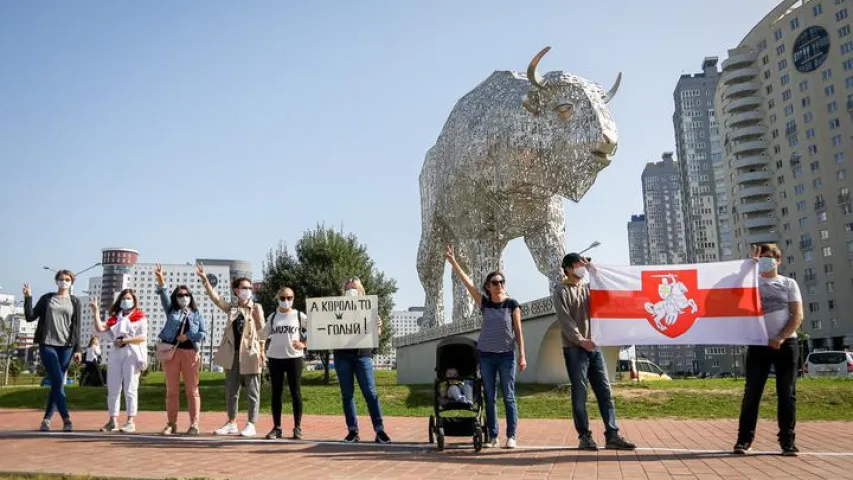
817 399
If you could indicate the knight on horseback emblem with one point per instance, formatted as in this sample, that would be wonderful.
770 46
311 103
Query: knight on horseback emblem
673 294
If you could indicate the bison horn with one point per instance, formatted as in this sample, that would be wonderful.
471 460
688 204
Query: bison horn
532 74
612 92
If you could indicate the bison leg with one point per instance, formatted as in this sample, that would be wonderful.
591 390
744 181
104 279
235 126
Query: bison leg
463 305
485 257
546 242
431 272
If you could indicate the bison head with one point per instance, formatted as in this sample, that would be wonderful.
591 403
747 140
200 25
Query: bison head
572 129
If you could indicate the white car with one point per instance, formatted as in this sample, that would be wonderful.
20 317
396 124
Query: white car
829 364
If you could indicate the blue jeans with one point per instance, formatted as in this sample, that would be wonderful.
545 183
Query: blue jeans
492 365
56 361
582 365
347 366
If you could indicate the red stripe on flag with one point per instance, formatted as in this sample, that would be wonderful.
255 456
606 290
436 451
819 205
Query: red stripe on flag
715 302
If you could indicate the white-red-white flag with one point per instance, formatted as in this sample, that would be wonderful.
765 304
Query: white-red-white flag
698 304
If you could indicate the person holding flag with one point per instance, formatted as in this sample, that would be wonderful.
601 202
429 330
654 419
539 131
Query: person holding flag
584 360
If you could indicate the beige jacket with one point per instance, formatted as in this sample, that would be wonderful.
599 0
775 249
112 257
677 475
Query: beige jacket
251 345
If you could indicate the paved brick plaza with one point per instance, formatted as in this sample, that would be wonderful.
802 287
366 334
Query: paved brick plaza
669 449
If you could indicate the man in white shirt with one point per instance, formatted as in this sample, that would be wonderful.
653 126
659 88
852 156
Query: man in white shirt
783 313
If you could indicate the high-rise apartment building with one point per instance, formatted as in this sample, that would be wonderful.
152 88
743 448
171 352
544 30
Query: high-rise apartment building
405 322
662 200
638 240
699 156
785 108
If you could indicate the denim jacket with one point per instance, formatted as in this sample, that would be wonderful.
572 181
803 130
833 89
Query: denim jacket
196 332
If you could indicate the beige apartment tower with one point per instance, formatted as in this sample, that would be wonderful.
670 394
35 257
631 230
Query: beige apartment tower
784 106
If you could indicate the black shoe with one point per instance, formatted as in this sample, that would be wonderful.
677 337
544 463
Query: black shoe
615 442
352 437
587 443
790 449
382 437
741 448
274 433
297 433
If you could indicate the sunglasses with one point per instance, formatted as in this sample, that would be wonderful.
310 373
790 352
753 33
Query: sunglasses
182 295
497 282
285 298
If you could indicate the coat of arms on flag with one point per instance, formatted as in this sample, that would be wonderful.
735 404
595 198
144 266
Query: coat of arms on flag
708 303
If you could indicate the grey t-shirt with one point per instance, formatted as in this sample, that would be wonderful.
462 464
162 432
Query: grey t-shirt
57 321
776 295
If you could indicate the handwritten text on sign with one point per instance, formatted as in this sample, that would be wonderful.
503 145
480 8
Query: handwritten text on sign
343 322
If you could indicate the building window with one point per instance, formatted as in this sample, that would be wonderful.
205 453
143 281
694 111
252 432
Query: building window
803 222
806 101
801 206
782 64
817 9
826 74
816 183
827 268
814 307
785 79
808 255
810 133
789 110
795 22
830 287
821 217
841 174
808 117
793 141
799 189
847 47
849 82
780 49
847 64
816 325
813 149
834 123
777 34
844 31
841 15
827 251
804 85
786 95
829 90
836 140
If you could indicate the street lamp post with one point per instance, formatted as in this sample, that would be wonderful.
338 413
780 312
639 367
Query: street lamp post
98 264
590 247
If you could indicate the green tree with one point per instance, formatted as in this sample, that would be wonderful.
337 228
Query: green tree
323 260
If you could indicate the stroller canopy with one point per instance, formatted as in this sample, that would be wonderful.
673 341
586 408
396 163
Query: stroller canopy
459 353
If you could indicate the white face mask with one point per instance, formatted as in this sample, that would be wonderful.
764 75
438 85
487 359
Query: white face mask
63 284
245 294
126 303
183 302
351 292
766 264
580 272
285 303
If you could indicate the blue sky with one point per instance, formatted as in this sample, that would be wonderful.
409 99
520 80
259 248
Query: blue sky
208 129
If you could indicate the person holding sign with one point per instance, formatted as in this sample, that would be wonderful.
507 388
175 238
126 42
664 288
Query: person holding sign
241 351
501 326
358 363
181 337
285 333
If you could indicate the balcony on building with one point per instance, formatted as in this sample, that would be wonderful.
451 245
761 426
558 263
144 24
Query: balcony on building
759 221
819 205
752 160
810 278
740 90
791 130
743 104
739 58
743 118
845 199
756 207
752 176
750 146
761 237
805 244
759 191
739 75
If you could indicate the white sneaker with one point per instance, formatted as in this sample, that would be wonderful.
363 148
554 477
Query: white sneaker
229 428
492 443
128 427
510 442
248 431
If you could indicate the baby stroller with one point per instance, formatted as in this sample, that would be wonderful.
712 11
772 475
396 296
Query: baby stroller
457 386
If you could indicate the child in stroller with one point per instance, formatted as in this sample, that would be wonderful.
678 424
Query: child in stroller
457 386
454 389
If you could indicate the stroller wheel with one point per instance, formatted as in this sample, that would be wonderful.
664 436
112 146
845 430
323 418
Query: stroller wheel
478 440
440 439
431 429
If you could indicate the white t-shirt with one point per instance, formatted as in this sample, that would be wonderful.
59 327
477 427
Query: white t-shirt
776 295
282 329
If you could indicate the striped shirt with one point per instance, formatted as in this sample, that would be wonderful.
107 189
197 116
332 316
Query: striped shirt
497 334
